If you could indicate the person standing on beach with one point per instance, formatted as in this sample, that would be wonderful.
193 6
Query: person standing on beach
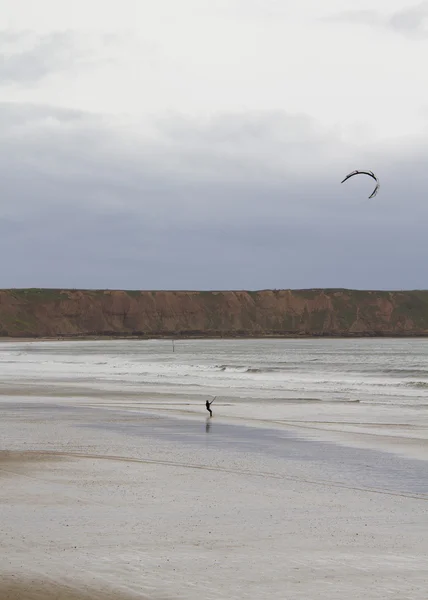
207 405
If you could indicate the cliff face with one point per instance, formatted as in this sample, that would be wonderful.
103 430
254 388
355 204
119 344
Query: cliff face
73 313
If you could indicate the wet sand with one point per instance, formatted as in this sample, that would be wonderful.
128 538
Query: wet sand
99 502
30 589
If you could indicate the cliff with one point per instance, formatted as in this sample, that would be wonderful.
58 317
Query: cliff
317 312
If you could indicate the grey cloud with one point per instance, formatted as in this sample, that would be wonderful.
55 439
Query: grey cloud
364 17
21 115
83 206
256 145
28 57
410 22
232 128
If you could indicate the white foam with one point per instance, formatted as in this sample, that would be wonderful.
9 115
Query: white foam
395 372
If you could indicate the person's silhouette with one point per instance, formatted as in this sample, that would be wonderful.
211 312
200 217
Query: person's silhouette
208 405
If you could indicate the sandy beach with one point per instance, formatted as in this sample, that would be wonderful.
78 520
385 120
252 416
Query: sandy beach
310 481
99 502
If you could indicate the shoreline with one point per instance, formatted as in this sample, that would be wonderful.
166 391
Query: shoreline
343 424
178 337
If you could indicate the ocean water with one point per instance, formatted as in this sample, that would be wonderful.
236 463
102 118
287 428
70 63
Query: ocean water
381 372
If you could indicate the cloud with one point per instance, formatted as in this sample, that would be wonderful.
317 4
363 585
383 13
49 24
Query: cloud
228 201
29 57
226 147
365 17
409 22
202 145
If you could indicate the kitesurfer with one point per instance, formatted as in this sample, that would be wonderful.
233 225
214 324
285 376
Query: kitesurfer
208 405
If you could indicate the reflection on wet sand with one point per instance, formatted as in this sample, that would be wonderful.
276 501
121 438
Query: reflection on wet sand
15 463
12 588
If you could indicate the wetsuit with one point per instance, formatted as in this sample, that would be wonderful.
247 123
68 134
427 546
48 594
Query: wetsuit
207 404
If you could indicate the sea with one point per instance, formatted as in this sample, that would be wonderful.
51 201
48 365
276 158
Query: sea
382 372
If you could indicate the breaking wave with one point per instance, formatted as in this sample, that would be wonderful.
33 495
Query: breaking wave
417 384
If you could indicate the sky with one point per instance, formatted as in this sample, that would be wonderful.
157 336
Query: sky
201 144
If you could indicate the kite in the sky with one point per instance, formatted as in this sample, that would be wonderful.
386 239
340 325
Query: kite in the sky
371 174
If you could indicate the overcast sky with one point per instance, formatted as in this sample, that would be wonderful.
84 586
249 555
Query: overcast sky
200 144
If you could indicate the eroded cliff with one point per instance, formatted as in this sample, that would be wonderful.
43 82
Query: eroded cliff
326 312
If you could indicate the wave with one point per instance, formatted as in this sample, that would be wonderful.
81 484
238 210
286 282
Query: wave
407 372
306 400
246 369
265 370
233 368
417 384
342 401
